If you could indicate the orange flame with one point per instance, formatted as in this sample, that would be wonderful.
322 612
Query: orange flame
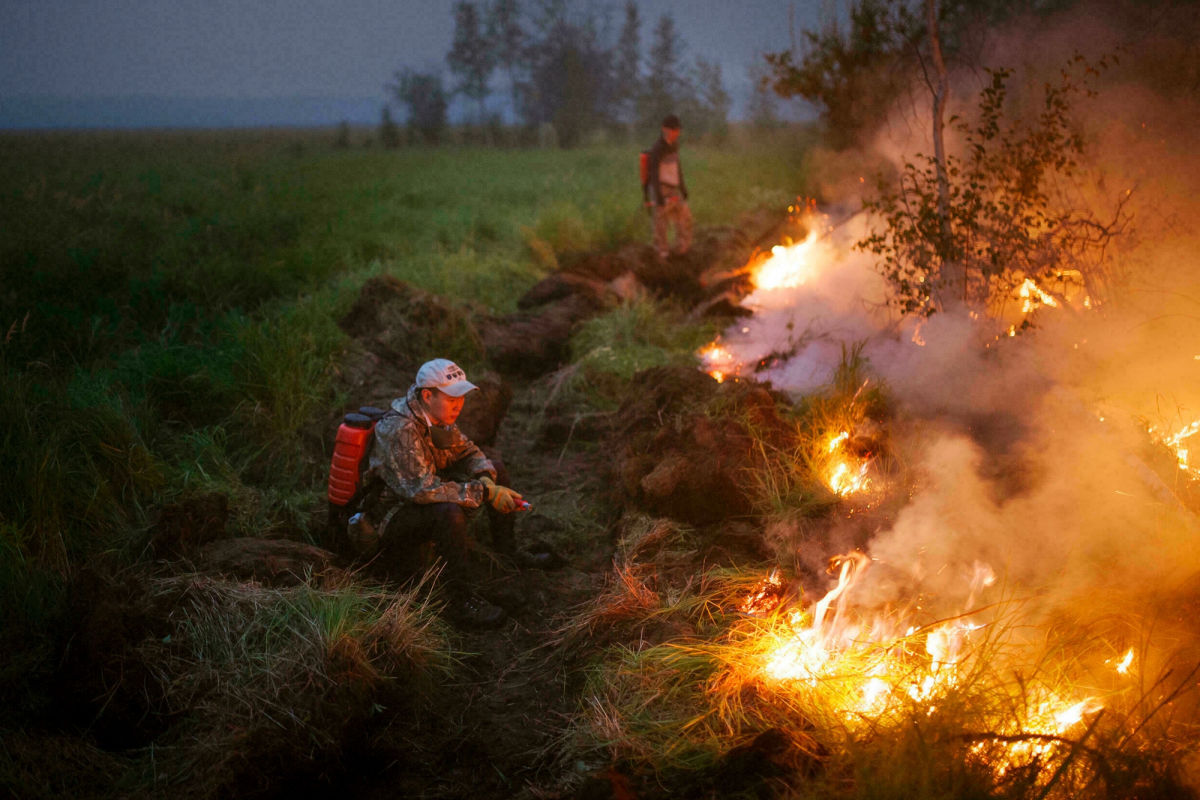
1177 442
846 475
786 266
1032 296
765 597
1070 290
845 480
789 265
718 361
804 654
832 645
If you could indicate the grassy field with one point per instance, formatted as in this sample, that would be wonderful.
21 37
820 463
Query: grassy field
168 316
169 309
158 286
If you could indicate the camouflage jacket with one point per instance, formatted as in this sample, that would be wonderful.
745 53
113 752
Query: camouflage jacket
413 470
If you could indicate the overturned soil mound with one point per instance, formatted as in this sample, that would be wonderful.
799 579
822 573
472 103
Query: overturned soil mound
396 326
687 450
533 341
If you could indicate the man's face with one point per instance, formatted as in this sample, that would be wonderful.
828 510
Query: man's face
671 135
442 407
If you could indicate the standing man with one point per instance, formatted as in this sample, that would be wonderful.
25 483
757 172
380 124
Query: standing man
434 480
666 192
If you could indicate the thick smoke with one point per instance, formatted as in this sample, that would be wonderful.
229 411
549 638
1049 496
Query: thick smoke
1032 452
798 332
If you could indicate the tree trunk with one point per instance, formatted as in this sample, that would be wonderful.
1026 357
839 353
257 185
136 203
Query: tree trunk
953 281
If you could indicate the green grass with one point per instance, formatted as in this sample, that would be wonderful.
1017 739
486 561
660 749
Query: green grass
168 320
162 290
113 240
609 349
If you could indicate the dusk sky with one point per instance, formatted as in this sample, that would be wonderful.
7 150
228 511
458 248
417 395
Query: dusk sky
287 48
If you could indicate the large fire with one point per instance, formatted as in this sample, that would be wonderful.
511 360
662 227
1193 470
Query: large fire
1030 678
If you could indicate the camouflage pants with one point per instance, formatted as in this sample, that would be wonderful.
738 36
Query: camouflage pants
674 211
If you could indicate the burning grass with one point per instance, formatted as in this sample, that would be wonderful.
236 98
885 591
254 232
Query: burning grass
1010 693
993 697
1179 441
877 701
837 452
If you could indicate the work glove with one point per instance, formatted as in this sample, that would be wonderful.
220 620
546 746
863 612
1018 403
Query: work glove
502 498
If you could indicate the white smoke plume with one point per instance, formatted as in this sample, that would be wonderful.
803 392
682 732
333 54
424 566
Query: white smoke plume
1032 452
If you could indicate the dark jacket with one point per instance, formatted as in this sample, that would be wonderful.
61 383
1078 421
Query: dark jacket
413 470
656 156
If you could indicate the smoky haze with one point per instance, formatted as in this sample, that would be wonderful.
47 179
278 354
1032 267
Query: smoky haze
1030 454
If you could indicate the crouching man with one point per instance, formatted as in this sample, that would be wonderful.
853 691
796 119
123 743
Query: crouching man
433 480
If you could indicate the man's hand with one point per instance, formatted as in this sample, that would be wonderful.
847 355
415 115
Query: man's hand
502 498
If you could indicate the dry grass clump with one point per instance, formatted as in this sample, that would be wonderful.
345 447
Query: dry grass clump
651 593
263 681
242 646
652 540
36 765
655 591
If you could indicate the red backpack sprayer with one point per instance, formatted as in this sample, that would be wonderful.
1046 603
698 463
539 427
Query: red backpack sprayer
347 465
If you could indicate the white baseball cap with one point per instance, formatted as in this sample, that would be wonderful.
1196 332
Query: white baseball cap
444 375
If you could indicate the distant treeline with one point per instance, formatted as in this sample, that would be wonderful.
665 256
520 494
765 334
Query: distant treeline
568 70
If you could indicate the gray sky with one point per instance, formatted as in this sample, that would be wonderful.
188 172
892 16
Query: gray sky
273 48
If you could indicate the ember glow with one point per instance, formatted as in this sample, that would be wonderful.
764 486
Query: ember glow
1032 296
1177 442
1065 287
846 474
718 361
765 597
1048 720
